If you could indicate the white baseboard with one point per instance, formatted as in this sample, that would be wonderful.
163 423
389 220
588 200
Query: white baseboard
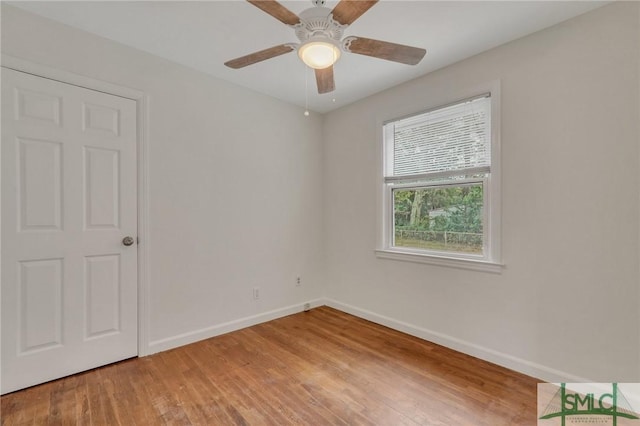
520 365
218 329
508 361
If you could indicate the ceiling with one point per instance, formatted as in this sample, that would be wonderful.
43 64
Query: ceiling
204 34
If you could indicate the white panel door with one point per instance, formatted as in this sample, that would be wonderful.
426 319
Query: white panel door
69 284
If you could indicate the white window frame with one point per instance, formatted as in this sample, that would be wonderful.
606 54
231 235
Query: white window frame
490 260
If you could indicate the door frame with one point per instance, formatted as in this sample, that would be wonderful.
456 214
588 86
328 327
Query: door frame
142 121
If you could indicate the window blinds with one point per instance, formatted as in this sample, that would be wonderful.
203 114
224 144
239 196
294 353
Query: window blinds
450 141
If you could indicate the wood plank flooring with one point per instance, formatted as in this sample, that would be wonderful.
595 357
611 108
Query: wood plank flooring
322 367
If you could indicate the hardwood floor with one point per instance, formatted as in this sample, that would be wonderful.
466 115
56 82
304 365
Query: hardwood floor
313 368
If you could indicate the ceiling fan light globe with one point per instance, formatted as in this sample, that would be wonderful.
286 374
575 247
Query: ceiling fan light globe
319 54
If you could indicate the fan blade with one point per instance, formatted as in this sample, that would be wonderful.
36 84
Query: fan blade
276 10
384 50
325 81
262 55
348 11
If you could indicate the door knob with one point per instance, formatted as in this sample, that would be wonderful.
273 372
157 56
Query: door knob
127 241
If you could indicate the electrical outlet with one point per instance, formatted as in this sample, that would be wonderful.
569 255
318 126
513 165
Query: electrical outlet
256 293
298 281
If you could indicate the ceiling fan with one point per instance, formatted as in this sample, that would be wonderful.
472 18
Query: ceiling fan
320 33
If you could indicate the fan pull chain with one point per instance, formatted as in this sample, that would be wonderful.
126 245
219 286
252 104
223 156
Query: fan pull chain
306 92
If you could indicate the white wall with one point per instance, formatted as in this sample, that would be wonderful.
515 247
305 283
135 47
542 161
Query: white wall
236 188
567 304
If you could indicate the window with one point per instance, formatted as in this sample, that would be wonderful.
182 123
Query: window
440 184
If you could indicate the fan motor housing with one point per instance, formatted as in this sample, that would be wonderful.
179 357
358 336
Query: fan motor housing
317 22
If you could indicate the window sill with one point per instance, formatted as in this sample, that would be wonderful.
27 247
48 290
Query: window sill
450 262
